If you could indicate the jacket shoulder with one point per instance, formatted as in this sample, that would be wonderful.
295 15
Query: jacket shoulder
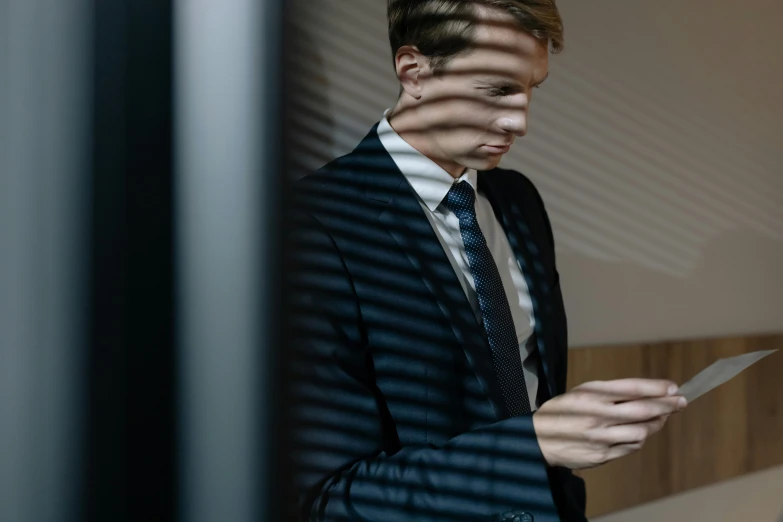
518 186
336 173
333 185
515 179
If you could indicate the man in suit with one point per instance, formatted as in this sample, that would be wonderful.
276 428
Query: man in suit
430 348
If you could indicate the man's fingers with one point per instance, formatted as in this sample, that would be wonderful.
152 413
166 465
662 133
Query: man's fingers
643 409
632 433
621 390
633 437
621 450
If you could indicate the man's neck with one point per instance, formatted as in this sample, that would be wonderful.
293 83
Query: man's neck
405 122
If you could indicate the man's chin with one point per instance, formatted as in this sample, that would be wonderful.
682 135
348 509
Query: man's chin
484 162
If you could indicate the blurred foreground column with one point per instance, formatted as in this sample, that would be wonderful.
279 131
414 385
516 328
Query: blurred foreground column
44 198
228 152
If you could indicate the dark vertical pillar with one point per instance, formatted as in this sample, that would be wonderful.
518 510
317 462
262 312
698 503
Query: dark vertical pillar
130 441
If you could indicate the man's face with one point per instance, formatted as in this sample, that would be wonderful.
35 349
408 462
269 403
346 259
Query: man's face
474 110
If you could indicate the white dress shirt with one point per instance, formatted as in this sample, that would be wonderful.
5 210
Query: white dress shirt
431 183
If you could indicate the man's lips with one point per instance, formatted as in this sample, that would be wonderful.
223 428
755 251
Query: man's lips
498 149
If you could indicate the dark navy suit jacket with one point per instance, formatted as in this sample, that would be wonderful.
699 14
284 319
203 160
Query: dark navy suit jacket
398 414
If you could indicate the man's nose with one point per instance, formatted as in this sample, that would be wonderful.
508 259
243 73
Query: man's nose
515 124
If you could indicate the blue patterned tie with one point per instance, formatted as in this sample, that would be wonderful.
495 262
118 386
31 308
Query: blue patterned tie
495 310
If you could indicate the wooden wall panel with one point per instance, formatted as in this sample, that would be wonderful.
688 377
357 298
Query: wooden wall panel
735 429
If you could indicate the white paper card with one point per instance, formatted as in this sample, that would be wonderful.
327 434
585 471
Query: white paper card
719 372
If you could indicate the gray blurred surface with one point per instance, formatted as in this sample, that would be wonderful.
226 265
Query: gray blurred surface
44 133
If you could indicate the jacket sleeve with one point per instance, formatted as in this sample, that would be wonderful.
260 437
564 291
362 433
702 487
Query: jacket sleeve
347 460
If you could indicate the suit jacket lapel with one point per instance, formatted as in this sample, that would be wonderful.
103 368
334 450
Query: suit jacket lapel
405 220
526 251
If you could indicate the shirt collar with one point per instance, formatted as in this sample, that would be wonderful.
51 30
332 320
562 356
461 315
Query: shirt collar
430 181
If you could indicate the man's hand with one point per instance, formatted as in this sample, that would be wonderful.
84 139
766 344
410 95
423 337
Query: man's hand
603 420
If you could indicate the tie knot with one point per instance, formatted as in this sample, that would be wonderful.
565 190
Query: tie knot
460 197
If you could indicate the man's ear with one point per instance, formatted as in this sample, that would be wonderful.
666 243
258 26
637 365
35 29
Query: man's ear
412 68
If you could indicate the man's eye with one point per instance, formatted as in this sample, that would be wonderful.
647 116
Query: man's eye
501 91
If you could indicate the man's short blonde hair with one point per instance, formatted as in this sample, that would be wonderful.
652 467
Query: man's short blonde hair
443 29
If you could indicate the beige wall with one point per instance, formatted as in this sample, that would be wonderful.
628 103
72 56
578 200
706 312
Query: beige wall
655 142
667 188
